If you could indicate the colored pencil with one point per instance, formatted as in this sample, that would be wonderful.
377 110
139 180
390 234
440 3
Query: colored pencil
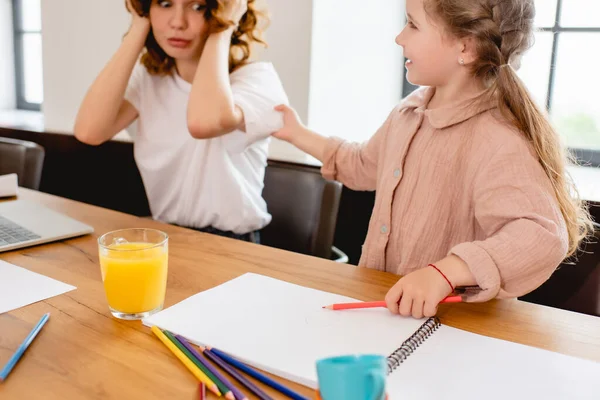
376 304
201 376
235 374
225 386
257 375
202 391
23 347
222 388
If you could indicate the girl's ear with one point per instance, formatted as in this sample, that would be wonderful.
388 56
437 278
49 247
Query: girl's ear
469 50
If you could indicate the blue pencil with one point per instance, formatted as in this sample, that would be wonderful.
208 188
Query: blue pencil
23 347
258 376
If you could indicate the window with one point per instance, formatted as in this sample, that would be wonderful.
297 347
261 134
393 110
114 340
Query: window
561 71
28 53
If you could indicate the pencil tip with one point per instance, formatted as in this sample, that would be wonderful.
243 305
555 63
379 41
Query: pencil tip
330 307
230 396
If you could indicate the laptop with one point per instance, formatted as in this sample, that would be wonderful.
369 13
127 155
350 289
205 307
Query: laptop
24 223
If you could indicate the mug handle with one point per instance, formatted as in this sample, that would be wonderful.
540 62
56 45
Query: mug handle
378 385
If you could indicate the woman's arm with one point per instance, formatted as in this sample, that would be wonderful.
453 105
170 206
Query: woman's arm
211 108
104 112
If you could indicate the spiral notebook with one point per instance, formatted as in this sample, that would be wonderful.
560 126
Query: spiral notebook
281 328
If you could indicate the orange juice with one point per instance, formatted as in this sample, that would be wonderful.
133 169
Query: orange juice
134 276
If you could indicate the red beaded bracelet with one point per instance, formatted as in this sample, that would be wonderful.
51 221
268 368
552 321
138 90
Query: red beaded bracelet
445 277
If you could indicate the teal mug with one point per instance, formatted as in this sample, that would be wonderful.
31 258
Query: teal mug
360 377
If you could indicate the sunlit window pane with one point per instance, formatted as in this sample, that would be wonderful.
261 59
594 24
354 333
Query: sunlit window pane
580 13
535 67
575 108
31 17
545 13
32 68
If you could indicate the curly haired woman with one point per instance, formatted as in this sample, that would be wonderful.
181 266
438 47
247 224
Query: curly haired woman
204 111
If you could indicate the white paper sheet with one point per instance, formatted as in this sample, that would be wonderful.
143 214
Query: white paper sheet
455 363
281 328
8 185
20 287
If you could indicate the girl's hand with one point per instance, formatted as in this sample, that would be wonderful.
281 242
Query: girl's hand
292 127
418 293
137 21
234 10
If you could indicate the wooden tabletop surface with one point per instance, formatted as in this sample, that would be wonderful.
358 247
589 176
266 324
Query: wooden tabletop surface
85 353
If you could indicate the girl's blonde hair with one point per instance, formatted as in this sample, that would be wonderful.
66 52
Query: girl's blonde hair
502 31
248 32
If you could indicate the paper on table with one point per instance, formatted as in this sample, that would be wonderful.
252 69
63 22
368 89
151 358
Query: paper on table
8 185
456 363
281 327
20 287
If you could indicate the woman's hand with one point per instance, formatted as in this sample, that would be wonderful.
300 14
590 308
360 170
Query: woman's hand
418 293
234 10
138 22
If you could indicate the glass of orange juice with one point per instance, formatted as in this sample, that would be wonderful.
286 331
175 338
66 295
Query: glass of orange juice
134 271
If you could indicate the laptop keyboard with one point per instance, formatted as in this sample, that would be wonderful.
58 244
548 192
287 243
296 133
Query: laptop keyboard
11 233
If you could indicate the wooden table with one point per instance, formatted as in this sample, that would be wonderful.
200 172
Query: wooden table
85 353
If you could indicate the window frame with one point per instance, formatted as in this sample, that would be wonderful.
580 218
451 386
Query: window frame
587 157
18 35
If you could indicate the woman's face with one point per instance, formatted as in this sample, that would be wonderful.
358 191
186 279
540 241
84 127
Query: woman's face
179 27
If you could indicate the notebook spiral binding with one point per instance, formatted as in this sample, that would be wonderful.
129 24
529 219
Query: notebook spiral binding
410 345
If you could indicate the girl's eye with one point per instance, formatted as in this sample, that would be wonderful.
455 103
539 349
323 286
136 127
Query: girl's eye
164 4
198 7
411 25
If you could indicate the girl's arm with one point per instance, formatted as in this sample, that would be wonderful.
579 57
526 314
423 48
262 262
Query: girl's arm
353 164
104 112
298 135
211 109
524 239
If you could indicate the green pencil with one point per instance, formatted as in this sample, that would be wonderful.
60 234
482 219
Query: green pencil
222 388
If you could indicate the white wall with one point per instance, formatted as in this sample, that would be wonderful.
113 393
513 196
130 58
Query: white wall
78 39
7 62
289 38
356 72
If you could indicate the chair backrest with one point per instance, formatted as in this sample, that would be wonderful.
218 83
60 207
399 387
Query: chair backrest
575 286
304 207
23 158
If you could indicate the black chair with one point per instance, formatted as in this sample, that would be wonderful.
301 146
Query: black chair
575 286
23 158
304 207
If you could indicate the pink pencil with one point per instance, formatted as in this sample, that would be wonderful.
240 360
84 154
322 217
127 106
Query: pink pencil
375 304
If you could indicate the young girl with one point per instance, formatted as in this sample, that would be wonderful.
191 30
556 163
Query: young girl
470 176
194 82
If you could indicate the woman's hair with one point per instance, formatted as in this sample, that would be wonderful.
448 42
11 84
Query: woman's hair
248 32
502 31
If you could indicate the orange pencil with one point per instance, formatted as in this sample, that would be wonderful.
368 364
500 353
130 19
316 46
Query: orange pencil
375 304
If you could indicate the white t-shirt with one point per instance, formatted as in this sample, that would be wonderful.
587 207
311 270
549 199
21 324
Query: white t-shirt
211 182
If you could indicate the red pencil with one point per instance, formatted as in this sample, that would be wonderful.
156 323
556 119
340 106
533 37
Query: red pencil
375 304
